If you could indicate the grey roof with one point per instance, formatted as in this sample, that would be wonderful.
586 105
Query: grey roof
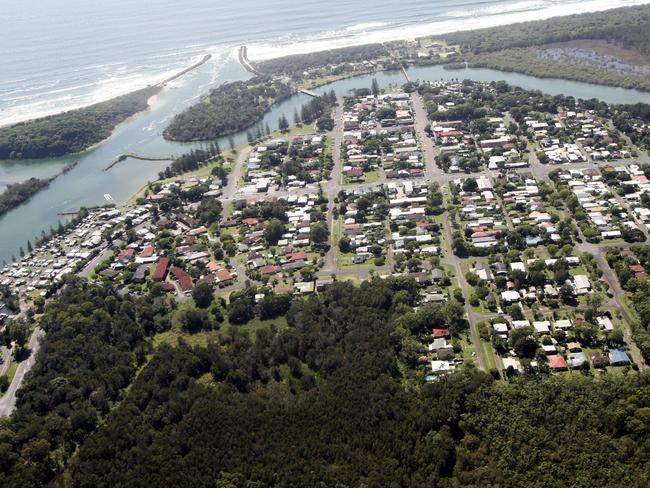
437 274
618 356
577 359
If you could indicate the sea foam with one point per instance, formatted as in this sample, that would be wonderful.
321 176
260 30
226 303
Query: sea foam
455 20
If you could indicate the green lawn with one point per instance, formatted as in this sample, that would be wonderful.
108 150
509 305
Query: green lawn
492 359
11 371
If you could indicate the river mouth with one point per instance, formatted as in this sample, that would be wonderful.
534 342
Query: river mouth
88 183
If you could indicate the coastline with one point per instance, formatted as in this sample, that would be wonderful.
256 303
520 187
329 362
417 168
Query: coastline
160 85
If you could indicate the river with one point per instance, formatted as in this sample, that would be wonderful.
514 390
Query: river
87 183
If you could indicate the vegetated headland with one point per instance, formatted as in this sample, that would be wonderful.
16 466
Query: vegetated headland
77 130
227 109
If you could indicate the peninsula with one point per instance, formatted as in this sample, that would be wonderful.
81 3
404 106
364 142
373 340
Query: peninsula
77 130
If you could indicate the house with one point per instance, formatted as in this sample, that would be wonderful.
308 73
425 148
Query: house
282 289
483 271
109 273
542 327
563 324
354 172
581 284
438 344
223 277
549 349
438 333
605 323
511 363
557 363
510 296
270 269
140 274
618 357
577 359
183 278
305 288
501 329
323 283
599 360
160 272
437 274
441 367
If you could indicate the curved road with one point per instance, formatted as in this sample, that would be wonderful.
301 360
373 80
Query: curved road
8 400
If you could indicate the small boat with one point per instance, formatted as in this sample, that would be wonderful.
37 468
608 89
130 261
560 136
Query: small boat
108 197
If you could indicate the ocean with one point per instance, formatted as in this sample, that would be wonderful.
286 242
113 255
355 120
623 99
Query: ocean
59 55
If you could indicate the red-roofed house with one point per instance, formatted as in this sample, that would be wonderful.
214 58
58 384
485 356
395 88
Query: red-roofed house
440 333
557 363
354 172
184 279
126 254
161 269
147 252
223 276
270 269
298 256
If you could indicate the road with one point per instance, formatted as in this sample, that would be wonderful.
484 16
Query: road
333 187
8 400
94 262
432 171
472 317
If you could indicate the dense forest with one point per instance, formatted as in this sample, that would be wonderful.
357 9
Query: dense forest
325 400
228 109
17 193
627 26
73 131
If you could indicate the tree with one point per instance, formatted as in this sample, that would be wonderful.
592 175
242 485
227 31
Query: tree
283 123
522 341
344 245
273 231
240 311
375 87
195 320
19 333
615 338
272 306
470 185
318 233
202 295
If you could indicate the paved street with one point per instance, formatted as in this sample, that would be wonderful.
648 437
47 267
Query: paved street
8 400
